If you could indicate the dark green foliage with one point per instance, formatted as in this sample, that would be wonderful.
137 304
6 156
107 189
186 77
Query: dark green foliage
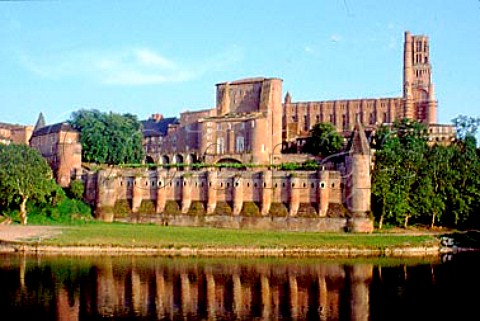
24 176
413 183
278 210
76 190
109 138
147 207
66 211
56 196
305 166
309 165
400 156
323 141
250 209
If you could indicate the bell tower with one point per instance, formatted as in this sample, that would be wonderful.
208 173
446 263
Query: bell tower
418 89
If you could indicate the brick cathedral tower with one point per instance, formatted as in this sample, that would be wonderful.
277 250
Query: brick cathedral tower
418 90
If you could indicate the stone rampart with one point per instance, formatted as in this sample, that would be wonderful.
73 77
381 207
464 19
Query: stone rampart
252 199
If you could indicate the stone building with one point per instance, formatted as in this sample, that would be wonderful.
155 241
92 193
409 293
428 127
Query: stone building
256 198
245 127
59 145
15 134
250 124
155 129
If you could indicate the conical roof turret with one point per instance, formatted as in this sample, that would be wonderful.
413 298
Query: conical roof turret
359 143
40 122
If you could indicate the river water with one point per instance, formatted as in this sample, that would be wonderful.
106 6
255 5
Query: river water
164 288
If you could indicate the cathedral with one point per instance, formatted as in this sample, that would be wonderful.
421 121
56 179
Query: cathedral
251 123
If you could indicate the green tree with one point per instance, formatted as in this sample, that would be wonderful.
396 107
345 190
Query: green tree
24 175
464 196
399 158
324 140
109 138
386 201
434 185
415 183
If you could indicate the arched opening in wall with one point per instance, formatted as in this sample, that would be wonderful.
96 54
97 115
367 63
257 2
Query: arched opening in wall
164 160
192 159
149 160
230 163
178 161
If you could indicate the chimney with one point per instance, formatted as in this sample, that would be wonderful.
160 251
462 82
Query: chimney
156 117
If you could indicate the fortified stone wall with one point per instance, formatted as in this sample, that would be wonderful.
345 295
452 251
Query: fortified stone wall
263 199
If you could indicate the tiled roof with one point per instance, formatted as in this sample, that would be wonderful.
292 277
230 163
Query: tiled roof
55 128
152 128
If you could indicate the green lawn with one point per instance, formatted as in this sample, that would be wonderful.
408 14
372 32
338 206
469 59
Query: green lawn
116 234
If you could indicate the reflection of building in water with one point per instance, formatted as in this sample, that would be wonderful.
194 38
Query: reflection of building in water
251 291
68 308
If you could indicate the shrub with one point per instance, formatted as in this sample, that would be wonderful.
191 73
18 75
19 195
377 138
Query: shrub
223 208
337 210
196 209
121 208
76 190
66 211
250 209
147 207
172 208
56 196
103 210
307 210
278 210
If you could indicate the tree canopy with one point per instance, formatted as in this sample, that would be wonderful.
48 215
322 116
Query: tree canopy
414 183
324 140
24 175
109 138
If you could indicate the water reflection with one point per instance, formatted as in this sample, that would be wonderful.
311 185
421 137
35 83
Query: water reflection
147 288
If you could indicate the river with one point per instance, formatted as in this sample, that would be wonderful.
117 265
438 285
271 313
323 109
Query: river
170 288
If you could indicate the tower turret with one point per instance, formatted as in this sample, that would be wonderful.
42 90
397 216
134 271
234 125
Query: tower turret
358 181
358 172
408 76
418 92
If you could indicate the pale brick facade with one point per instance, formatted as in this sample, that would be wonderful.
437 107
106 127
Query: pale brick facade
250 124
15 134
59 145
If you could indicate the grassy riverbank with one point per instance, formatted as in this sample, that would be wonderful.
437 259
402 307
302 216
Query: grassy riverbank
153 236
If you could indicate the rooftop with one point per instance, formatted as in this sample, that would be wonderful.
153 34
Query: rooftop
251 80
155 128
54 128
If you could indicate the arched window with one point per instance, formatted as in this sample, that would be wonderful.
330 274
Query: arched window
220 145
240 144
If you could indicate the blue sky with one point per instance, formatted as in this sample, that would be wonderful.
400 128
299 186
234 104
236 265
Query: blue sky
145 57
